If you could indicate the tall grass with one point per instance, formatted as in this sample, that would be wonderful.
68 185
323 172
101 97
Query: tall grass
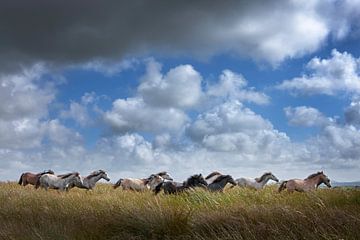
105 213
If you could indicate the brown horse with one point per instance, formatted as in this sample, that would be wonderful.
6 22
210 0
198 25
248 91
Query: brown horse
308 184
32 178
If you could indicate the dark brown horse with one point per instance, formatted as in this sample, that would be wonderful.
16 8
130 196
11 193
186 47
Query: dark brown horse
32 178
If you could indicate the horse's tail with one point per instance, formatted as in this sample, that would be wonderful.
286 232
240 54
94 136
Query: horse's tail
118 183
282 186
158 188
20 180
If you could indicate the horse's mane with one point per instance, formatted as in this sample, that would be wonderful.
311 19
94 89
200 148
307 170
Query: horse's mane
213 174
220 178
314 175
45 172
162 173
63 176
193 177
260 179
95 173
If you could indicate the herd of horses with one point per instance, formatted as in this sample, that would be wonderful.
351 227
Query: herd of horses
162 181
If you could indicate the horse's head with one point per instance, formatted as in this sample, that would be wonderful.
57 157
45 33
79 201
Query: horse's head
272 177
104 175
231 180
324 179
165 176
77 179
153 181
197 180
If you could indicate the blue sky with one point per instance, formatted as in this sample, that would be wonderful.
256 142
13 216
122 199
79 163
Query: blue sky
185 88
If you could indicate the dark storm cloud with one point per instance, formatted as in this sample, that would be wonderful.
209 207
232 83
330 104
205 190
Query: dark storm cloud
77 31
68 32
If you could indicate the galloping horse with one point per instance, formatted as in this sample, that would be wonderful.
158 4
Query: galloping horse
136 184
164 175
308 184
220 182
257 183
196 180
32 178
61 182
212 177
90 180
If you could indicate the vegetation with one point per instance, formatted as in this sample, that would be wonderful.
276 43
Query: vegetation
105 213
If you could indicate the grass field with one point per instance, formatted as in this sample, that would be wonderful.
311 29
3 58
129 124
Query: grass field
105 213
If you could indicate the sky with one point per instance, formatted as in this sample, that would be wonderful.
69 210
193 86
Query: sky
138 87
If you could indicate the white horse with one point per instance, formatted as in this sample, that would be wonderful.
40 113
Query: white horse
257 183
139 185
90 181
61 182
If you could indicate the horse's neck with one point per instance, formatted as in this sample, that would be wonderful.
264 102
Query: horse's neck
313 181
263 182
69 179
95 179
223 182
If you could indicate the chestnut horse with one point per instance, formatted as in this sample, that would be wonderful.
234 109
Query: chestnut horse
308 184
32 178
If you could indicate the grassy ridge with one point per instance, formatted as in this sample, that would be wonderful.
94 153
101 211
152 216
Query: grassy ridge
237 214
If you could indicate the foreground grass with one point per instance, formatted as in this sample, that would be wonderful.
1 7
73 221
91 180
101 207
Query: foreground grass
236 214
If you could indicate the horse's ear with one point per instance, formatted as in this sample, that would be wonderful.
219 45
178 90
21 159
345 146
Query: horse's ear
200 175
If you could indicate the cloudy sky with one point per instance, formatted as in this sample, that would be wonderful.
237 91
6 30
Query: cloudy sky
137 87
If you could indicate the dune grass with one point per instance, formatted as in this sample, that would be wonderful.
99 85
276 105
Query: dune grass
105 213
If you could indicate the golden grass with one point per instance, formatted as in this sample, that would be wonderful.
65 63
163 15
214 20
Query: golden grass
105 213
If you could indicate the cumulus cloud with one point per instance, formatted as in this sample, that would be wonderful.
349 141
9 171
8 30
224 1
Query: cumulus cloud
180 87
340 73
336 146
232 127
232 85
352 113
24 103
306 116
67 33
132 114
21 94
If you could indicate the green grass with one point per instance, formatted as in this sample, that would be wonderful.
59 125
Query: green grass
105 213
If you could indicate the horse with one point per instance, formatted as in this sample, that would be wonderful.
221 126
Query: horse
61 182
193 181
212 177
90 180
164 175
137 184
32 178
220 182
257 183
310 183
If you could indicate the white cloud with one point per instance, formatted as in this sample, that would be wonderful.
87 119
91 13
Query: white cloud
180 87
78 112
337 147
21 95
109 68
133 114
231 86
232 127
340 73
306 116
352 113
